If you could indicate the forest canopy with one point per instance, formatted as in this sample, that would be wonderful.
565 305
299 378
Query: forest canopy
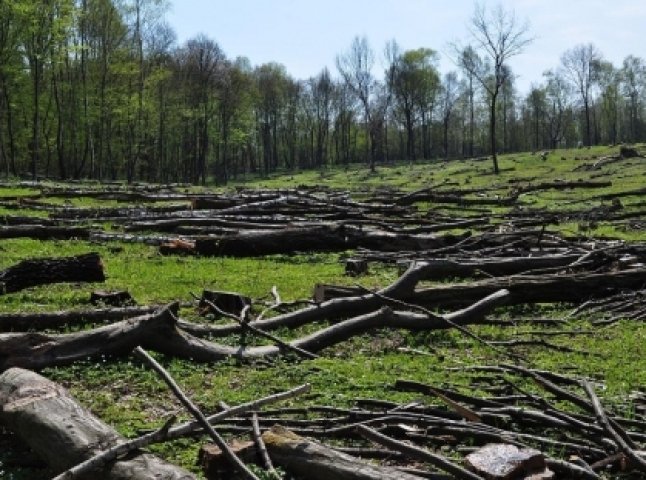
101 89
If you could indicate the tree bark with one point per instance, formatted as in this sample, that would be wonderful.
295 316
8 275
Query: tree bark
42 271
63 433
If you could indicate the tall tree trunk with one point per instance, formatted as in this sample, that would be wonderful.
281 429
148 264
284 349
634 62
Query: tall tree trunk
492 131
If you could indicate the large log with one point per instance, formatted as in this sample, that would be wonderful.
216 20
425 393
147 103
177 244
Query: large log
17 322
534 288
318 238
37 350
63 433
314 461
43 271
159 332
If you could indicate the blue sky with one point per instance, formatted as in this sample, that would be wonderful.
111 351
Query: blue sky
306 35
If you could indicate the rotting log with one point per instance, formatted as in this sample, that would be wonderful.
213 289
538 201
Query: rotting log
314 461
43 271
63 433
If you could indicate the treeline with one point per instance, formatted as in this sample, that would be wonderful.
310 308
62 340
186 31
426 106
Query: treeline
100 89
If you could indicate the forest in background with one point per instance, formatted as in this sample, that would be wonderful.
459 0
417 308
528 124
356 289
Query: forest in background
100 89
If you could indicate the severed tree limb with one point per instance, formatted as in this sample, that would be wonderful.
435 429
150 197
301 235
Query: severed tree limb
416 452
195 411
159 332
37 350
162 435
627 447
570 470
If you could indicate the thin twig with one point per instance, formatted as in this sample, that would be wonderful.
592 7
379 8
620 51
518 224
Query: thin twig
426 311
614 430
420 453
245 325
195 411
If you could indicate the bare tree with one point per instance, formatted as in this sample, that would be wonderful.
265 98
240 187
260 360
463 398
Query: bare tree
634 85
449 96
580 64
355 66
557 93
499 36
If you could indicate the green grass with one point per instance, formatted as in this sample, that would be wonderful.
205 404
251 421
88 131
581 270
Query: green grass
130 397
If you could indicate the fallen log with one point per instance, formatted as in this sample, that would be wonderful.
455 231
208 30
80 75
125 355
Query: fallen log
317 238
314 461
17 322
44 232
37 350
159 332
46 417
534 288
43 271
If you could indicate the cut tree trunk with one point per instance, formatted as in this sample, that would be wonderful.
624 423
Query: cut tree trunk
314 461
48 419
43 271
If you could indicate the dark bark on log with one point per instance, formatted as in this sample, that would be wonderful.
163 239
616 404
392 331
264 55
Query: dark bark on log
30 273
457 199
114 299
63 433
13 220
320 239
228 302
314 461
41 321
534 289
44 232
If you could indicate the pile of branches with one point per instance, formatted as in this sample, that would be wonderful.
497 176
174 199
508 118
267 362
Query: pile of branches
191 223
511 432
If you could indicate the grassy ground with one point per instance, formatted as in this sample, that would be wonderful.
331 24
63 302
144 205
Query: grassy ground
130 397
